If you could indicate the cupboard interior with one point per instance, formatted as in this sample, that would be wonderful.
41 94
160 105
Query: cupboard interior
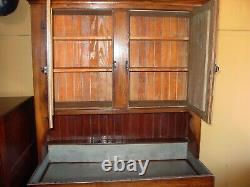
83 50
83 59
158 57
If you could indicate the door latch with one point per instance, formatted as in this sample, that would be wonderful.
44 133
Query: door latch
44 69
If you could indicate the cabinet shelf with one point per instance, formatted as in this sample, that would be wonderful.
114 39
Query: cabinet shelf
83 105
105 107
156 104
158 69
108 140
82 69
142 38
82 38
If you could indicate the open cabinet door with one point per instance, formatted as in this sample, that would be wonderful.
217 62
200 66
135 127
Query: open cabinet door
203 27
50 64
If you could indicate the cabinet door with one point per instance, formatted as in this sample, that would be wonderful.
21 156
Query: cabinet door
202 59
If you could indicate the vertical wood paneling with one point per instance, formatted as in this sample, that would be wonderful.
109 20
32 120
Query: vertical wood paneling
173 86
120 127
158 86
156 51
159 26
87 86
73 53
157 76
82 25
83 54
182 86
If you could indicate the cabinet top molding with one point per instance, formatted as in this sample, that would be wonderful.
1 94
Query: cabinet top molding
180 5
128 3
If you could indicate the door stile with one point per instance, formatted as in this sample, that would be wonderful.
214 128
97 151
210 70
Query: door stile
121 58
50 65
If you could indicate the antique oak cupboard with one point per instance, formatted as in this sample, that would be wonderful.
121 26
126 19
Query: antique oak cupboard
123 78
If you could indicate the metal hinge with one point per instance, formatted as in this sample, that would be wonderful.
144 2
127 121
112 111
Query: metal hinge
44 69
43 25
114 64
216 68
127 65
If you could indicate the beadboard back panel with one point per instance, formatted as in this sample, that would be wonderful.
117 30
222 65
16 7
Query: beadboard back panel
158 56
83 52
119 127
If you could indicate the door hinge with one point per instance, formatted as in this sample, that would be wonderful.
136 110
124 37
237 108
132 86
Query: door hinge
216 68
114 64
127 65
43 25
44 69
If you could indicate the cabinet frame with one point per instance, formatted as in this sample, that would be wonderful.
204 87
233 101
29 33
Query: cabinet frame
38 11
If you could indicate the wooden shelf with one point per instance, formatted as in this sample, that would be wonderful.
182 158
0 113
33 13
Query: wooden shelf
73 111
77 11
105 107
145 38
118 140
82 38
156 104
83 105
159 13
158 69
82 69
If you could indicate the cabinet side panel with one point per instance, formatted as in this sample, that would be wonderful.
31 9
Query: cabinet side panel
38 16
4 177
194 135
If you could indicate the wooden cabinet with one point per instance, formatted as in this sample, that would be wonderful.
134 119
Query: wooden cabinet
123 72
124 59
17 141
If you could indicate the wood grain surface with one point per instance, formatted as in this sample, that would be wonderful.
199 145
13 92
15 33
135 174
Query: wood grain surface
120 126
